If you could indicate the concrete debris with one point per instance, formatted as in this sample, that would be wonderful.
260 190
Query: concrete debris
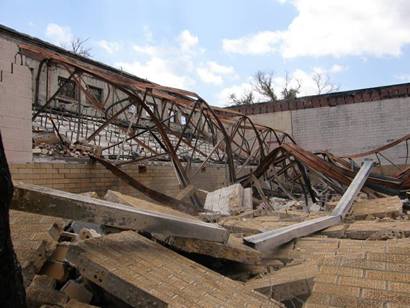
368 278
372 230
140 204
153 275
269 240
41 292
286 283
229 200
233 250
79 264
54 202
32 240
381 207
77 291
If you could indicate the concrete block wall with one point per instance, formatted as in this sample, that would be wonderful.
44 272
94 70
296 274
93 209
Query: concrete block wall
347 128
84 177
277 120
15 103
353 128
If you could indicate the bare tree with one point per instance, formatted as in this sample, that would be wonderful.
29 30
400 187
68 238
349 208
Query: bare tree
78 47
246 99
323 84
264 85
289 92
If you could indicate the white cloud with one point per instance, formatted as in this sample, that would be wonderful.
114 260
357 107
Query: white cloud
187 40
60 35
213 73
149 50
336 28
260 43
337 68
403 77
148 36
110 47
158 70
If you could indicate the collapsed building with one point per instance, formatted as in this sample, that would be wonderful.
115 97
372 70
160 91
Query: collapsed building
131 193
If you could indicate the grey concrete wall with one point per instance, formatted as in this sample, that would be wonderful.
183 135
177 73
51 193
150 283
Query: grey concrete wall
15 103
279 120
347 129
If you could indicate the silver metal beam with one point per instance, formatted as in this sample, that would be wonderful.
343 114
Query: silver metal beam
52 202
269 240
345 203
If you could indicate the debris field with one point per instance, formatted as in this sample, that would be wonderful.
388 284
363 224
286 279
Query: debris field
287 228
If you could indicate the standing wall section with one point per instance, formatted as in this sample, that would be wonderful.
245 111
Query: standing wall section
15 103
85 177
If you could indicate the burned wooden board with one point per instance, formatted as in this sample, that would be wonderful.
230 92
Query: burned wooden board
32 240
381 207
233 250
144 273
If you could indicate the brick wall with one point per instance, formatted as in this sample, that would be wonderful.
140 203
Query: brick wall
84 177
15 103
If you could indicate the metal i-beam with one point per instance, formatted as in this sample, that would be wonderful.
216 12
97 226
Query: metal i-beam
269 240
52 202
345 203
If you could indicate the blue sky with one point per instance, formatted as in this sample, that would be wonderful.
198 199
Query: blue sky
215 47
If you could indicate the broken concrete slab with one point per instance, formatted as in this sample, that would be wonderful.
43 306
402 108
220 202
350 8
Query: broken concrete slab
38 199
287 283
368 279
72 303
41 292
253 225
226 200
32 241
77 291
141 204
372 230
381 207
233 250
55 269
142 272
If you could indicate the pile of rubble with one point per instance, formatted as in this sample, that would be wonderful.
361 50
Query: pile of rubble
121 251
46 144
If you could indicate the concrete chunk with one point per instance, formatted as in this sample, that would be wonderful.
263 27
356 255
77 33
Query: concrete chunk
77 291
381 207
144 273
38 199
233 250
226 200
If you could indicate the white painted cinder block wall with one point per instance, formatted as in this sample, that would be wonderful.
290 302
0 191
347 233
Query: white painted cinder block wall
15 103
354 128
347 129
